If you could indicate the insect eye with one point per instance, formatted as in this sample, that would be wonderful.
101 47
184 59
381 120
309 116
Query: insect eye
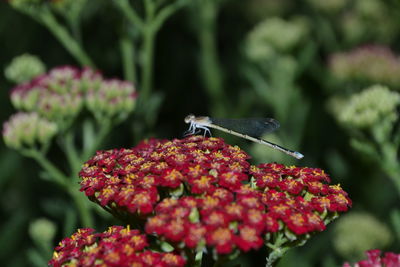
189 118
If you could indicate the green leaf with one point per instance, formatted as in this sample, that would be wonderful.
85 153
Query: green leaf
290 235
366 148
166 247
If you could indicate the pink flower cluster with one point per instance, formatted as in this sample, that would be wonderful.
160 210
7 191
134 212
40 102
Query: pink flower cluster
61 93
372 63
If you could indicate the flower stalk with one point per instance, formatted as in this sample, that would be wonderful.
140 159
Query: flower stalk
207 12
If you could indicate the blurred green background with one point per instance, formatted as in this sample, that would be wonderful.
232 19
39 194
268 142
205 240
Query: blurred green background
310 64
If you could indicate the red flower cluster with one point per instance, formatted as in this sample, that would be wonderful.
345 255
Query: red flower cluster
294 198
298 196
136 179
214 220
118 246
390 259
224 203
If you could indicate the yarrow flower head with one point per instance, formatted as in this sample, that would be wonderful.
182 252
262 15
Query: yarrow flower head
374 104
300 197
200 192
28 130
216 220
136 179
60 94
375 259
23 68
368 64
118 246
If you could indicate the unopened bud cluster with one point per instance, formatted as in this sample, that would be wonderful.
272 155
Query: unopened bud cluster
368 64
373 105
28 130
53 101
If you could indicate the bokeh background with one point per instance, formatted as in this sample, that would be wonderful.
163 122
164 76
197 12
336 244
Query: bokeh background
329 71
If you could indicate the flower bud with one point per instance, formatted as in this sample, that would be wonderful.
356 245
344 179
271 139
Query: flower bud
371 64
60 95
42 230
27 129
113 97
275 35
23 68
368 108
55 95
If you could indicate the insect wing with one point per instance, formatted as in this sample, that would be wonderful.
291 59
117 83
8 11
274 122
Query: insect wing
255 127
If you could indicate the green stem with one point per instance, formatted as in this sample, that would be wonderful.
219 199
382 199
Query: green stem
149 35
390 164
89 150
70 44
168 11
73 158
130 13
82 204
155 16
74 24
209 62
68 183
388 151
277 250
55 174
128 58
147 67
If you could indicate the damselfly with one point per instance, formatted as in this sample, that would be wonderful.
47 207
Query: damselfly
250 129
